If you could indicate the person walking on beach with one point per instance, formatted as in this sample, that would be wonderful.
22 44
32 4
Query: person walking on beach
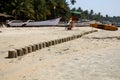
70 24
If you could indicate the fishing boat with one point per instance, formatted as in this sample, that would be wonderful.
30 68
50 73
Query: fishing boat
15 23
43 23
104 26
19 23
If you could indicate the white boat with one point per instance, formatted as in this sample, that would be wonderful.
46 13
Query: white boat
51 22
43 23
15 23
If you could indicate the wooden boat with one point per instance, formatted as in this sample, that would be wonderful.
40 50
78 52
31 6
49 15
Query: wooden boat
104 26
34 23
15 23
44 23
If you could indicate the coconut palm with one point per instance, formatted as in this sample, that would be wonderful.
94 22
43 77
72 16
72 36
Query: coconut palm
35 9
73 2
17 8
21 8
28 12
40 9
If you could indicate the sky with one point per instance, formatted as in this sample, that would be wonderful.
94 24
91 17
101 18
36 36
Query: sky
109 7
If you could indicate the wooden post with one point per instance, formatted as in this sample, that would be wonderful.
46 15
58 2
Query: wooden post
12 54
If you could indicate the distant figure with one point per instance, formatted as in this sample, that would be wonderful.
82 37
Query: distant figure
70 24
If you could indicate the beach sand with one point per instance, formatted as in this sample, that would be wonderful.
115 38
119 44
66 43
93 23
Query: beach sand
95 56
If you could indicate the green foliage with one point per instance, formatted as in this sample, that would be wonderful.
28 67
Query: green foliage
48 9
91 15
35 9
73 2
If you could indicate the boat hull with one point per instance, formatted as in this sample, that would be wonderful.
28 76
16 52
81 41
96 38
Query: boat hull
104 26
15 23
44 23
51 22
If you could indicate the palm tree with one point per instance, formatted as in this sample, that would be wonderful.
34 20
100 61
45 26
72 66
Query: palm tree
62 8
40 9
28 12
57 8
17 8
21 8
73 2
91 14
86 14
35 9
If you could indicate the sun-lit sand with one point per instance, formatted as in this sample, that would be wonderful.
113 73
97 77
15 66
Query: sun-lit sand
95 56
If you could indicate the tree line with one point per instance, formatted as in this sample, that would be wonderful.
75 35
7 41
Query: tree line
91 15
35 9
48 9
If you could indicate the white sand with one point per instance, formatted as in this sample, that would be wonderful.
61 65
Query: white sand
93 57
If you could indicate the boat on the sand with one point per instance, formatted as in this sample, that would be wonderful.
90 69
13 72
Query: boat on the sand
19 23
104 26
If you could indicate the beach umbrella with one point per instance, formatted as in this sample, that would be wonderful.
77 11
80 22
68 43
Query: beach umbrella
75 12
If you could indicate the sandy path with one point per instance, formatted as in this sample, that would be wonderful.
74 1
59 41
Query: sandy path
92 57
